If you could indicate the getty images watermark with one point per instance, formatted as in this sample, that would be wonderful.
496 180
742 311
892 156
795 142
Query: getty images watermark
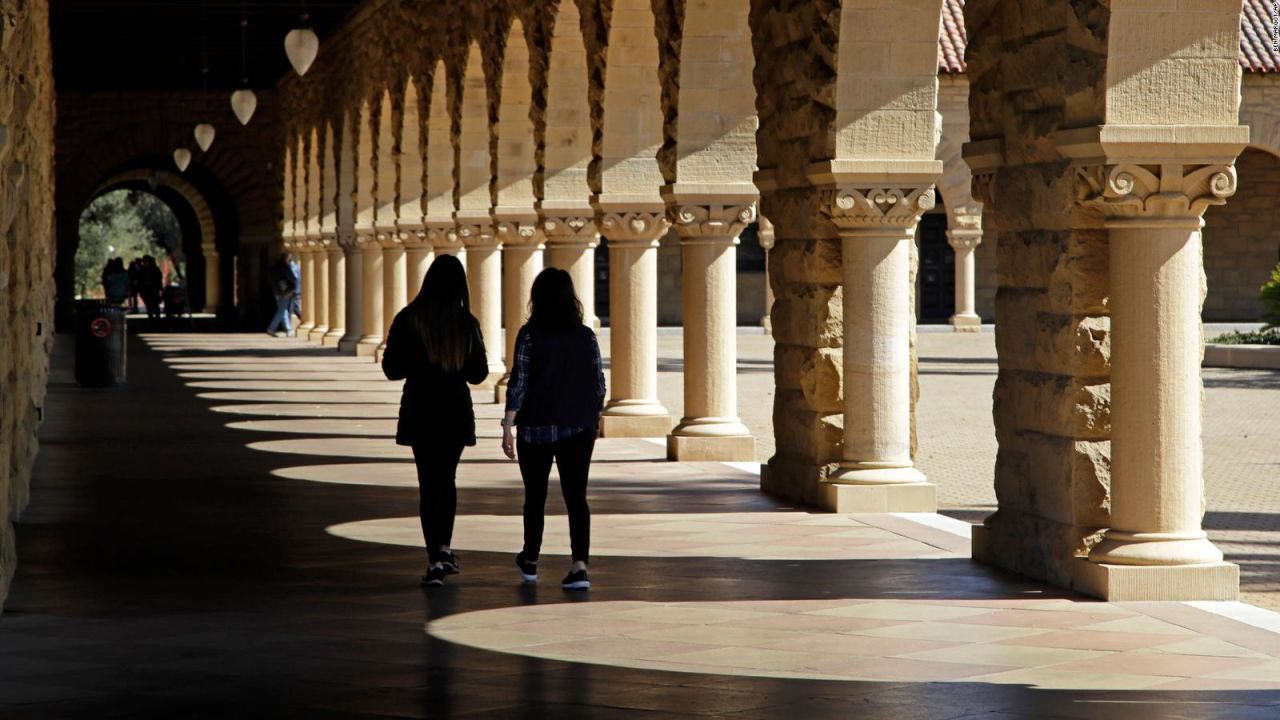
1275 25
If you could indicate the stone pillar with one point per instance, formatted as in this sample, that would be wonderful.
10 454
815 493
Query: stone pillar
521 262
306 303
354 265
337 267
571 246
877 230
766 243
710 428
371 296
964 238
394 289
212 278
633 409
1156 548
320 296
484 278
418 256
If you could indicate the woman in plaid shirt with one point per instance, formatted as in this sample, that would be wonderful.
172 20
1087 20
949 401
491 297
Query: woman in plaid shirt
554 397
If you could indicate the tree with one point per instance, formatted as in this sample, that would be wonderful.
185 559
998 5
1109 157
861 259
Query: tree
126 224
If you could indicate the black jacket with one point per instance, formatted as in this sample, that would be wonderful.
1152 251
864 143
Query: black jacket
563 386
435 407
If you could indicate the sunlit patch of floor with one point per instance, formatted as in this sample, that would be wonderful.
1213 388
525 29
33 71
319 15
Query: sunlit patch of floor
312 410
388 397
1054 644
321 426
750 536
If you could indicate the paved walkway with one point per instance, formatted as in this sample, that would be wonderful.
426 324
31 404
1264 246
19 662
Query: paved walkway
232 535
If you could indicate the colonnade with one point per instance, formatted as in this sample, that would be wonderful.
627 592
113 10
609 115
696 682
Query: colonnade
532 139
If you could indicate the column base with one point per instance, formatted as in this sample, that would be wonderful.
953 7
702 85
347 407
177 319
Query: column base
317 334
1127 583
724 448
864 474
304 331
966 323
332 338
619 426
348 344
367 346
1163 549
905 497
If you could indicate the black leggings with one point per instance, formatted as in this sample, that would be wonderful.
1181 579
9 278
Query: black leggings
437 494
573 459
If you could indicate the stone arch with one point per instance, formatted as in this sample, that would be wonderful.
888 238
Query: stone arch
1264 126
180 185
409 195
516 160
329 181
713 123
386 164
314 214
366 168
473 176
566 139
1242 240
441 158
632 122
347 160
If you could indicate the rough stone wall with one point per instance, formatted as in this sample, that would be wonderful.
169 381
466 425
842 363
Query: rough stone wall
26 253
1037 67
795 48
1242 240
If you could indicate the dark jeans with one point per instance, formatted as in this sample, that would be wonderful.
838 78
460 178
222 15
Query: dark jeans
437 494
573 459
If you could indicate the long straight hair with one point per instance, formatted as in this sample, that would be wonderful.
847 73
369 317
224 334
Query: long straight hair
552 302
441 314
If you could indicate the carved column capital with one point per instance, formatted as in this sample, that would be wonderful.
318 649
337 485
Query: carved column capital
517 232
886 207
639 227
710 220
476 234
442 235
367 240
412 235
767 236
347 240
965 232
570 228
1158 194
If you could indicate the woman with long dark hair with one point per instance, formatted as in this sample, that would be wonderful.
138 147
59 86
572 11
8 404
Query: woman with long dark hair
435 346
554 397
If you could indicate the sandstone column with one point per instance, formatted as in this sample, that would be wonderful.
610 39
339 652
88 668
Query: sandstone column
337 267
306 261
484 277
354 265
964 238
371 304
320 296
877 228
633 409
394 291
1156 547
418 256
710 428
766 243
212 278
571 246
521 262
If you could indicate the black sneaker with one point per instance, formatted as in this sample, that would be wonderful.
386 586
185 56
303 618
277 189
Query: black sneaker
434 576
450 562
576 580
528 569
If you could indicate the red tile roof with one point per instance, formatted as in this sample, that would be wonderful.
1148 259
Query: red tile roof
1257 54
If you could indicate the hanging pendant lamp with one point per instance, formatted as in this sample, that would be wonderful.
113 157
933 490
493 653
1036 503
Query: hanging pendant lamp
182 158
243 101
204 136
302 45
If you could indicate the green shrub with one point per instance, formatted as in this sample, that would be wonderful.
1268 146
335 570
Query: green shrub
1270 297
1262 337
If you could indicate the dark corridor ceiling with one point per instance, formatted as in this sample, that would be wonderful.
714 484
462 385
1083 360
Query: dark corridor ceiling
156 44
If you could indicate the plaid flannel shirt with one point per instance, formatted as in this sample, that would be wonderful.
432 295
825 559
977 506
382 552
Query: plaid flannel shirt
518 384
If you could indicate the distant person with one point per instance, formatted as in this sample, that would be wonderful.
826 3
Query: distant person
284 285
135 270
115 282
555 396
435 346
150 286
295 305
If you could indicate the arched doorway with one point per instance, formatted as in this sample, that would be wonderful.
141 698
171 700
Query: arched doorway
1242 240
129 226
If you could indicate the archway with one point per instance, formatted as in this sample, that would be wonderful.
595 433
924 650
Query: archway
1242 240
131 225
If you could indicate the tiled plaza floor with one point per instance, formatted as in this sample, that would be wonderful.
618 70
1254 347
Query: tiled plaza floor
232 535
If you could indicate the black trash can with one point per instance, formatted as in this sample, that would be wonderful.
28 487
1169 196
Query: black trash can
100 344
